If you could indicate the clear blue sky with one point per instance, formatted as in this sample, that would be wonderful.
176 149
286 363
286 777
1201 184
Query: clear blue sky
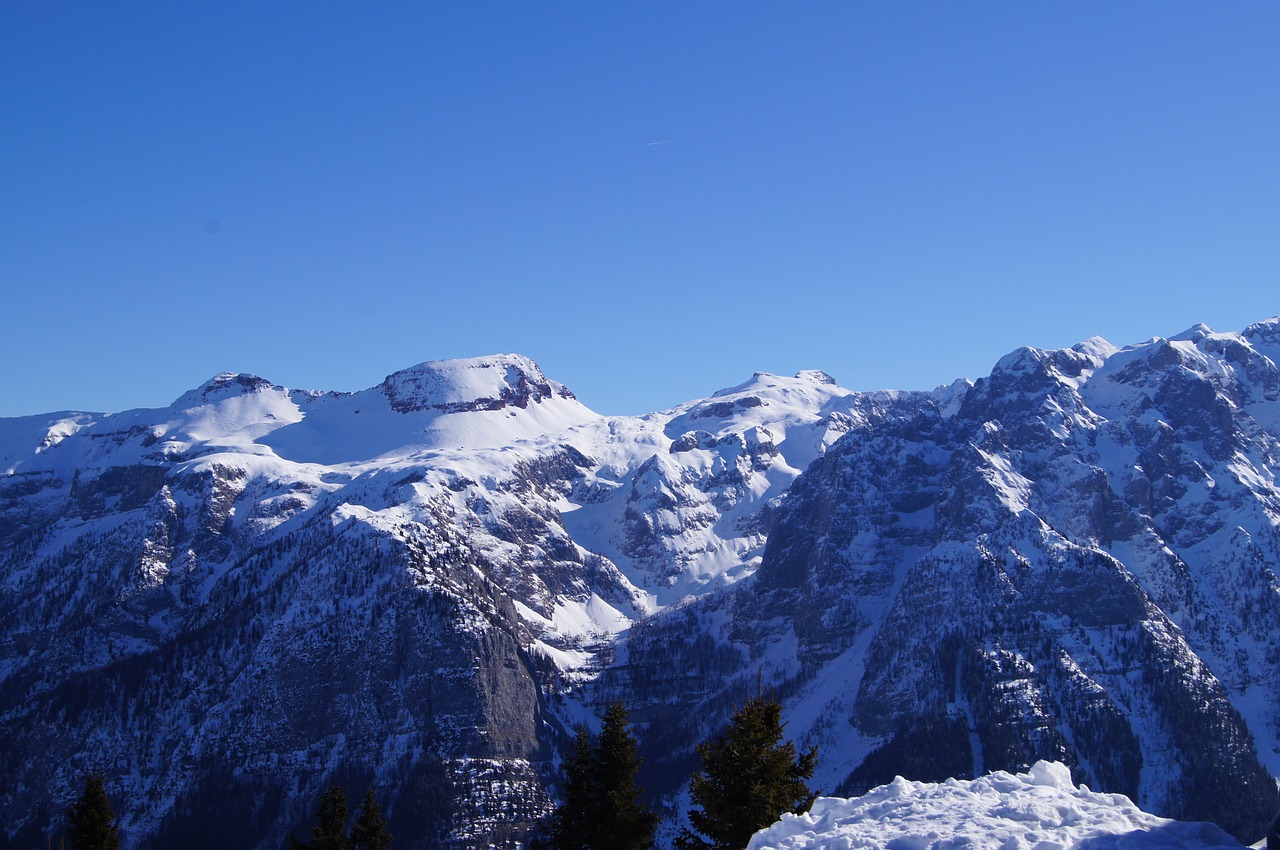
653 200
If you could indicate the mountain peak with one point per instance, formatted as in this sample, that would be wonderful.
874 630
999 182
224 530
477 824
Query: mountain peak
1267 329
1021 360
815 376
221 386
1095 346
768 380
1196 332
492 382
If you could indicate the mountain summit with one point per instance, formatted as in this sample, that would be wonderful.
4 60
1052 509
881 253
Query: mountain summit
479 383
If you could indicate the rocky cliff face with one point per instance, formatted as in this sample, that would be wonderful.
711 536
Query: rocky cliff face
223 633
230 603
1077 561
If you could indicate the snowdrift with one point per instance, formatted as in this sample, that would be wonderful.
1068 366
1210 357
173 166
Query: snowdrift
1038 810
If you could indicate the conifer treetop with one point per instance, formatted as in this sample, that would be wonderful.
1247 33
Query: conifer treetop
370 829
601 809
749 779
91 823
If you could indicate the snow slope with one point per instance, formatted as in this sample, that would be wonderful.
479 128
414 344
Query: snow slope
1038 810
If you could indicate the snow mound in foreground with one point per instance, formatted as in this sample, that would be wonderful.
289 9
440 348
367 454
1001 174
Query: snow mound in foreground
1038 810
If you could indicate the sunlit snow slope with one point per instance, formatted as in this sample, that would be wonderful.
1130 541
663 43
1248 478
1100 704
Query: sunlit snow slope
1037 810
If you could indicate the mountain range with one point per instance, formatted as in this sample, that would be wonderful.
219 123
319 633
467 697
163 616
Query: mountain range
228 604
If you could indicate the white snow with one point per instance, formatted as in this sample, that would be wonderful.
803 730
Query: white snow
592 617
1038 810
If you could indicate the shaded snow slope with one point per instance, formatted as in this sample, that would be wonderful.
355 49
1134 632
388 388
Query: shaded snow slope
1038 810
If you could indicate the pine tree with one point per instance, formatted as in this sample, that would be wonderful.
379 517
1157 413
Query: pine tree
370 829
624 822
568 825
91 822
748 779
602 808
330 831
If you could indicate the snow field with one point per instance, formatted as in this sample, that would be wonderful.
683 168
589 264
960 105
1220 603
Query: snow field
1038 810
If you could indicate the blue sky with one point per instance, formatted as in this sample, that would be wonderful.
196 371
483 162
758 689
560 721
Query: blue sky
653 200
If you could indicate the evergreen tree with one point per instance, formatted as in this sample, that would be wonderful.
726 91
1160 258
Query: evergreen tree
330 831
748 779
370 829
602 808
625 823
568 825
91 824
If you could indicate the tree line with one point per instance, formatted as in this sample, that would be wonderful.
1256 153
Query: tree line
749 778
91 823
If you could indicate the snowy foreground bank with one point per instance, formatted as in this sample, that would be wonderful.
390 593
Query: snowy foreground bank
1038 810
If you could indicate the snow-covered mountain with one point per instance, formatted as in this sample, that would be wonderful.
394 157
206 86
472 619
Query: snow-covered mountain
229 603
